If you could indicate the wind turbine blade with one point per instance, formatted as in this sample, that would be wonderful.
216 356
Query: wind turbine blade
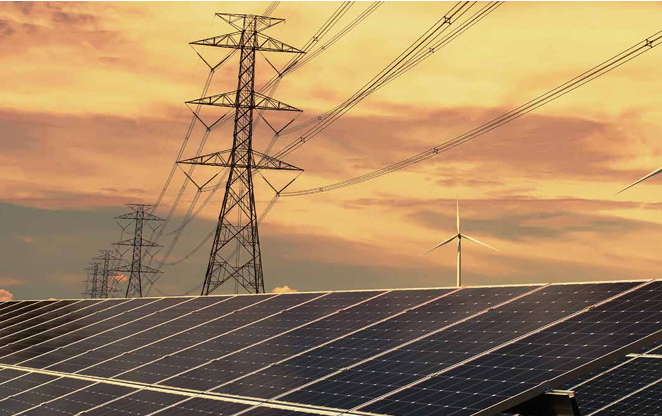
458 216
479 242
441 244
641 180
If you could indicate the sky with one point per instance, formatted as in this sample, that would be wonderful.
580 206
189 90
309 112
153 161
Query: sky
92 117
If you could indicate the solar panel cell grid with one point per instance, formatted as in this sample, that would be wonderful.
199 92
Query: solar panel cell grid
203 407
44 322
7 306
68 345
18 308
308 313
466 339
645 403
82 355
268 411
629 377
390 334
8 374
19 386
316 333
31 345
168 337
142 402
525 364
28 312
153 364
81 400
39 394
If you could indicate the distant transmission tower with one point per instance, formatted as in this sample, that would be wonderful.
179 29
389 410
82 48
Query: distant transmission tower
93 279
107 286
139 213
235 252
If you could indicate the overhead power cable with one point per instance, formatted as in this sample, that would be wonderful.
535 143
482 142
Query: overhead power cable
563 89
426 40
273 84
426 43
271 8
430 42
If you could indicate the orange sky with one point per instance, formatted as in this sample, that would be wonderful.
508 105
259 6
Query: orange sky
91 117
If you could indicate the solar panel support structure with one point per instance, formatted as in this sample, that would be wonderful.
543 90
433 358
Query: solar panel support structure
140 215
551 403
235 253
108 282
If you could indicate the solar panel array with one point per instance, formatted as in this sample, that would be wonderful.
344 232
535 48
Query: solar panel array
632 385
469 351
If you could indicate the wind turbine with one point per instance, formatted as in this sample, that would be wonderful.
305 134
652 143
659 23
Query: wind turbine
459 237
655 172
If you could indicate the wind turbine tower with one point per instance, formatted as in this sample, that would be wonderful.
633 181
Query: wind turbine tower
459 237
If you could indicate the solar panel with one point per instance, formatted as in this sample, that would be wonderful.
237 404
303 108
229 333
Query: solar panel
369 308
443 351
7 305
646 402
534 361
483 330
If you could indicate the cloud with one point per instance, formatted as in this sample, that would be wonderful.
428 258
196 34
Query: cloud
10 281
5 295
283 289
26 239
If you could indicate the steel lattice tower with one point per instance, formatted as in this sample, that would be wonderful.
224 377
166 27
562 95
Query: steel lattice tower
136 269
107 285
235 253
93 279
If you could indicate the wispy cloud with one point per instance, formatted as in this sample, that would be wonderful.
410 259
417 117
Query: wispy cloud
25 239
8 281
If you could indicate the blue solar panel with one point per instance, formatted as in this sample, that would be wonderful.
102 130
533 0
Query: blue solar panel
435 351
647 402
375 308
130 363
203 407
48 321
218 346
630 376
81 400
419 352
45 389
532 362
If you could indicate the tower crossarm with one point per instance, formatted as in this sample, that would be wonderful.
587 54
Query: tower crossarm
144 216
223 159
236 20
143 269
232 40
143 243
229 99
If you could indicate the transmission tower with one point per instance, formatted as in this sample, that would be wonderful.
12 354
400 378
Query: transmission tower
107 286
93 279
235 253
140 214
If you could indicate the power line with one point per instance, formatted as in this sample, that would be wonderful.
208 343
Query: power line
587 76
428 43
